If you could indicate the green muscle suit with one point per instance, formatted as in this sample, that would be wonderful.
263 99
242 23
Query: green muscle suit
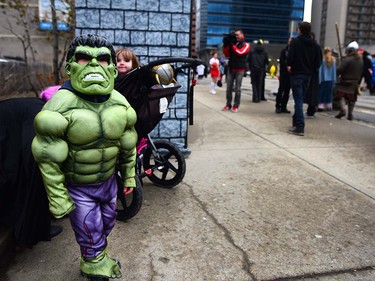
82 134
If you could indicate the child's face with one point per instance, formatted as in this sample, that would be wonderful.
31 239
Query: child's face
124 65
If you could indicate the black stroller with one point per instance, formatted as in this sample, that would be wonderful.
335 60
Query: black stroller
160 161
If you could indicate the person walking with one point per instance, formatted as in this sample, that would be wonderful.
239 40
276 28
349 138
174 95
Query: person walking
236 49
282 96
258 62
327 78
350 73
214 72
304 58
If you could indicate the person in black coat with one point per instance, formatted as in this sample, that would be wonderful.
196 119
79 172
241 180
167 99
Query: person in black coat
282 96
23 199
304 59
312 92
258 62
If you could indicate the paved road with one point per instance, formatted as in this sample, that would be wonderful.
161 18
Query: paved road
256 204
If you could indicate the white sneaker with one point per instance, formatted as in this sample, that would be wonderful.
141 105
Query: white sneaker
213 93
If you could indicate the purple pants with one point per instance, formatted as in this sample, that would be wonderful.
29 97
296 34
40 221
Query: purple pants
94 216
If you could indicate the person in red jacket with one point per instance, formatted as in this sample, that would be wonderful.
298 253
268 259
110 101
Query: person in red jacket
236 49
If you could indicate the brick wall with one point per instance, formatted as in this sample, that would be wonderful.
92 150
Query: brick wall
153 29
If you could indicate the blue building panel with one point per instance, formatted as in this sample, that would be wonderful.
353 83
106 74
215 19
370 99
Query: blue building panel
266 19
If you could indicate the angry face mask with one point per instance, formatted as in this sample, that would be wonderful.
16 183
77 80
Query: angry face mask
92 71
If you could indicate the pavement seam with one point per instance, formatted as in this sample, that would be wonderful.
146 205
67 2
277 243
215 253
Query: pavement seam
246 263
324 274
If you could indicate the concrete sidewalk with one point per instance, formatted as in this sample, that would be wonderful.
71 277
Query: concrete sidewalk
297 198
256 204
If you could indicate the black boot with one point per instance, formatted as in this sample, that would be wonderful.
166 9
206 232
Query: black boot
350 110
342 112
296 131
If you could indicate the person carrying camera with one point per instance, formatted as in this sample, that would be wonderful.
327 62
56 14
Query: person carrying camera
236 49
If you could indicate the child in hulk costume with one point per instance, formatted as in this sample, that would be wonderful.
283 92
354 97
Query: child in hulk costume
82 133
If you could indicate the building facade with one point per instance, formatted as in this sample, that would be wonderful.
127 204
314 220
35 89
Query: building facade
271 20
338 22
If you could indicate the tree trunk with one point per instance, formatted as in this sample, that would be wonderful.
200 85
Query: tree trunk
55 45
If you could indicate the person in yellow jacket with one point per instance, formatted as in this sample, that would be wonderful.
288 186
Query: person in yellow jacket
273 71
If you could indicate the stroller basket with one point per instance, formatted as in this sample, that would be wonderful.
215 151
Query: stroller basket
148 98
151 111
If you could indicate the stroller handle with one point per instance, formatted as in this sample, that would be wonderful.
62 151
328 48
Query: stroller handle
189 62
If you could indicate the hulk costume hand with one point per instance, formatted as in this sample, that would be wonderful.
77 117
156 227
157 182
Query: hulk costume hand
128 190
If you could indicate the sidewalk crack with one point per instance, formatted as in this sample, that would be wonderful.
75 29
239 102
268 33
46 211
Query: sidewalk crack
246 263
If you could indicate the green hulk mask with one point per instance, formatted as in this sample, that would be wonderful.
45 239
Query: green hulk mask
92 70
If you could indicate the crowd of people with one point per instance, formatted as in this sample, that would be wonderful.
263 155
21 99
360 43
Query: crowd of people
309 71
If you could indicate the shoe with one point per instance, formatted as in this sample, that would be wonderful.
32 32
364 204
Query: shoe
213 92
278 110
340 114
284 110
226 108
308 116
296 131
320 110
235 109
256 101
264 99
350 117
55 230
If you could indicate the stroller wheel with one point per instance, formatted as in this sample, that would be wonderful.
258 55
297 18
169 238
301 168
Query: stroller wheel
167 163
128 206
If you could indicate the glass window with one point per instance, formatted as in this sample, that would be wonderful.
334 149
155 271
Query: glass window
266 19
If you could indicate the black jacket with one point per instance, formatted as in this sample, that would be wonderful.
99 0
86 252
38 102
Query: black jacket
304 56
283 59
258 59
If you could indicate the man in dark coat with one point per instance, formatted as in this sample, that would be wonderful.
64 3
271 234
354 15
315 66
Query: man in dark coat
282 96
258 62
304 59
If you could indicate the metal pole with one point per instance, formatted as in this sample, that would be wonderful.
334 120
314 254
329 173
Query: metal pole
338 40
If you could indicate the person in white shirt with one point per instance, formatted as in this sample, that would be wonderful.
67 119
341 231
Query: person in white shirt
200 71
214 71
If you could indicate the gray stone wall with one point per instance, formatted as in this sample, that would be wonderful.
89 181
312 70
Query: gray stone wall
152 29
